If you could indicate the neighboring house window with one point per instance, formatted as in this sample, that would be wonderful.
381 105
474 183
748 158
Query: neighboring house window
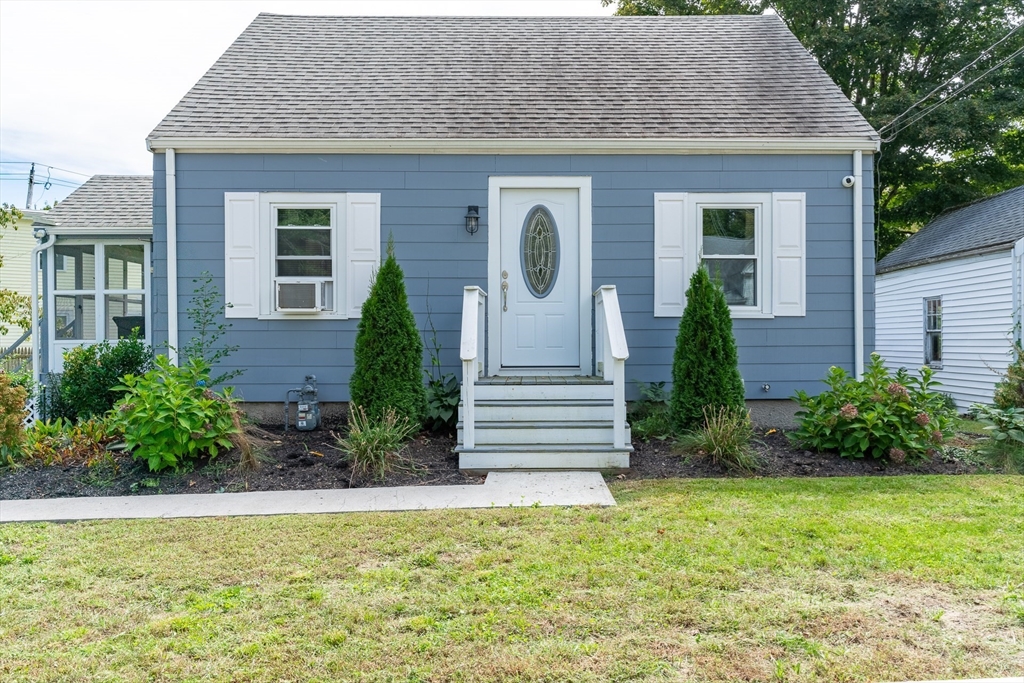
299 254
753 243
933 331
99 294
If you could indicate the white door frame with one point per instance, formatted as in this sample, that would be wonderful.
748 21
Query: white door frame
494 187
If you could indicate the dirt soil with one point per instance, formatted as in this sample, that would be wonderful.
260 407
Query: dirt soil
311 460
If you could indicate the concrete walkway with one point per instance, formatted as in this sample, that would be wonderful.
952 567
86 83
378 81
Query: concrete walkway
501 489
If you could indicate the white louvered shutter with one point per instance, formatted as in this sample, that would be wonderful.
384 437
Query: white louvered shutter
241 254
789 251
669 254
362 227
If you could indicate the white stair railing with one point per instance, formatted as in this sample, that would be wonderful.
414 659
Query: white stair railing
612 352
472 353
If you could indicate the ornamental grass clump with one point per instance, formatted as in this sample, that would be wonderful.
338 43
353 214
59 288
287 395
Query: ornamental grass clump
895 417
705 371
388 350
724 438
374 445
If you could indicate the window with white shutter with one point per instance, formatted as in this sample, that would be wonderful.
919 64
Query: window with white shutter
754 244
293 254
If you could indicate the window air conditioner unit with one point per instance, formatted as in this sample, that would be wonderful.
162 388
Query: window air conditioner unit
298 297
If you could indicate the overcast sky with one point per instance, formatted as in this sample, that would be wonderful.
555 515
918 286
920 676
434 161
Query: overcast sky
83 83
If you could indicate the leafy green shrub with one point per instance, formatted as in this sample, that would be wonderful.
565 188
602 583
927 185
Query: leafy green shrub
705 371
374 445
1009 392
724 438
92 376
12 412
1004 447
169 416
388 350
650 417
949 403
898 417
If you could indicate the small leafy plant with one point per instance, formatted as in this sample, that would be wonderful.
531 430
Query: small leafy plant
724 438
60 441
373 445
170 417
205 315
883 416
443 390
650 417
1004 447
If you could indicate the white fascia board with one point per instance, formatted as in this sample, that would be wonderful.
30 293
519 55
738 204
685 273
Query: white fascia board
99 232
752 145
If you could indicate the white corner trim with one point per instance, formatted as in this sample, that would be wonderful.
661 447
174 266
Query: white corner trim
494 187
732 145
172 257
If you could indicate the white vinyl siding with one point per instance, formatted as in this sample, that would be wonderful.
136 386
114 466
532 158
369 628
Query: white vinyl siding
977 321
780 256
250 253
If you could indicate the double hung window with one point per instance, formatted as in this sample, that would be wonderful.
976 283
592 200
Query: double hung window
933 331
304 248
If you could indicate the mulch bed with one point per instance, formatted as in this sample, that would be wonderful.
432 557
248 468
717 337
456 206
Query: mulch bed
310 460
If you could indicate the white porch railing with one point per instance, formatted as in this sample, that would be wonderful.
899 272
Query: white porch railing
612 352
472 353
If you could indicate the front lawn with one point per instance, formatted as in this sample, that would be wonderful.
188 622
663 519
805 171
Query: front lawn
847 579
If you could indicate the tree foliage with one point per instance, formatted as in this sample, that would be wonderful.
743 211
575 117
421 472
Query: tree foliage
886 55
15 309
705 370
388 349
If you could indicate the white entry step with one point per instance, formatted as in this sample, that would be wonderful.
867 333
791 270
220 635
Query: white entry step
543 423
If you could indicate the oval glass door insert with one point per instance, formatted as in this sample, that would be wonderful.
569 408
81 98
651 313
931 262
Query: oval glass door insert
540 255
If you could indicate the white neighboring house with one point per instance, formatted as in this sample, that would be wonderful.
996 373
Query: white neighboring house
950 296
16 274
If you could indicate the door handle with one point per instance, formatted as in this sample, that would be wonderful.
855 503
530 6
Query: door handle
504 295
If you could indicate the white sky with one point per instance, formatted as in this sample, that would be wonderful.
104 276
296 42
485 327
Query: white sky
83 83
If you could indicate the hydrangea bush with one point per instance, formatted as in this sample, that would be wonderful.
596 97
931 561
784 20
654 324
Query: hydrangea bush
893 416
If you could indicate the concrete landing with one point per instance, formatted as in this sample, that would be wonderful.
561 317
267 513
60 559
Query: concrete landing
501 489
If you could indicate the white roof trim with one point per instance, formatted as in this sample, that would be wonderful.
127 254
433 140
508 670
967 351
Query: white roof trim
70 231
751 145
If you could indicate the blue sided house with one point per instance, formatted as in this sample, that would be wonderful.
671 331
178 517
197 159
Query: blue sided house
550 186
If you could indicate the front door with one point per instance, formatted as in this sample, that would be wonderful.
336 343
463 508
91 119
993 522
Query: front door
540 279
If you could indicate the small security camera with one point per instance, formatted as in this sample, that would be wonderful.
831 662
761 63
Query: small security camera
848 181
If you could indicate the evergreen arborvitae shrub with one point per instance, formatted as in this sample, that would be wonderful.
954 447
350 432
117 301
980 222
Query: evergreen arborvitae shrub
705 371
389 351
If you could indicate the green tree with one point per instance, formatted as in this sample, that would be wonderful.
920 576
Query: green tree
388 351
705 371
15 309
886 55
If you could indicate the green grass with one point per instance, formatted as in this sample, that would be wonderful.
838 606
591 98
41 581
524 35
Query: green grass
850 579
973 427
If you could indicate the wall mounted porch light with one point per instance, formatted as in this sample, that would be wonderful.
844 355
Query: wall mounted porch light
473 219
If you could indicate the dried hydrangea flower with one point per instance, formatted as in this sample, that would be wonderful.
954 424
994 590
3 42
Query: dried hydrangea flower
849 411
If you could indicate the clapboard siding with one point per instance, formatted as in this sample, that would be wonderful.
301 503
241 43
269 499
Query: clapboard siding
423 204
16 275
977 320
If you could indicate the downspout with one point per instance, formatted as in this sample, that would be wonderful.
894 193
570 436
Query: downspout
37 336
172 258
858 263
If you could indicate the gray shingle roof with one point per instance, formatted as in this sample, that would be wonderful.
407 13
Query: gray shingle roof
988 224
106 201
487 78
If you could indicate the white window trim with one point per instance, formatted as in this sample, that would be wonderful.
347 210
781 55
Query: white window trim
99 291
336 202
925 332
761 202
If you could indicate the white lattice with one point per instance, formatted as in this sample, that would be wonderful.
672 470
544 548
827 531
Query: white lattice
31 413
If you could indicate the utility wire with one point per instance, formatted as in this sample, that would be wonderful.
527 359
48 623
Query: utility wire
953 77
949 97
55 168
